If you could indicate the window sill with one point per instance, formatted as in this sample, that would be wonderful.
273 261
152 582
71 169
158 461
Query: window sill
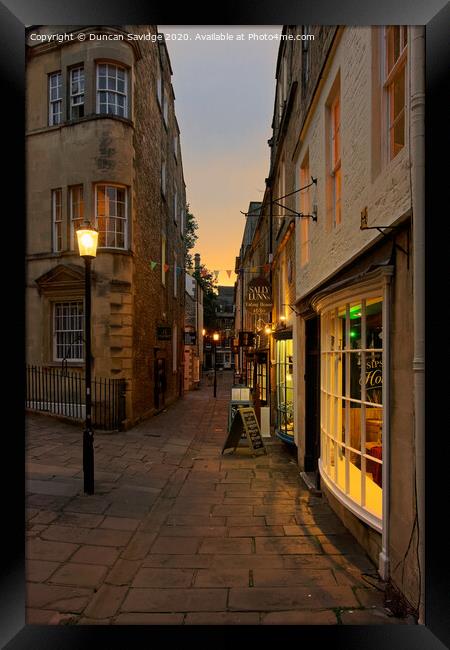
67 364
81 120
118 251
371 520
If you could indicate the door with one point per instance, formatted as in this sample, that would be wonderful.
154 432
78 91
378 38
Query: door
160 383
312 396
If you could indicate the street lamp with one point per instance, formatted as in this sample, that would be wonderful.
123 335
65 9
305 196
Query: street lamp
87 237
215 339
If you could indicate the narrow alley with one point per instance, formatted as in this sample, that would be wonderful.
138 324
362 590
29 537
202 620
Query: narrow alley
176 533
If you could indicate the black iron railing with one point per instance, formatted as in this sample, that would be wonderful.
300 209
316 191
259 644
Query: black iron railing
55 390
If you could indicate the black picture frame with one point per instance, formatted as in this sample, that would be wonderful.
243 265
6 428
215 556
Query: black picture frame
14 15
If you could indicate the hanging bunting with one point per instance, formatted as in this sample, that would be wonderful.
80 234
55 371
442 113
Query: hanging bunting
229 273
179 270
166 268
153 265
216 273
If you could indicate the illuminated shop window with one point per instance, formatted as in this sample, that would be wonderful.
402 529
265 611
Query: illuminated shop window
285 388
351 401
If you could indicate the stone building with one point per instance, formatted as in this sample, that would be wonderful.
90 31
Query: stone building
224 316
193 332
103 145
349 113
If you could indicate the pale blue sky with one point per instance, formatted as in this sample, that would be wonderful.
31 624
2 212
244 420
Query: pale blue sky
224 95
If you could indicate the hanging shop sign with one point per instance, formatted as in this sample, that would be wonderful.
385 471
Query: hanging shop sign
259 296
164 333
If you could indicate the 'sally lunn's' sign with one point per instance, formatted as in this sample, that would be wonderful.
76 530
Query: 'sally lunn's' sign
259 296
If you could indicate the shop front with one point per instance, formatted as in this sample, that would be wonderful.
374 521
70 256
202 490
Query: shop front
284 378
353 349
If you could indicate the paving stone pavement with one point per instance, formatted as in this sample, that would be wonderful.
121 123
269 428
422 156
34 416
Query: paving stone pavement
178 534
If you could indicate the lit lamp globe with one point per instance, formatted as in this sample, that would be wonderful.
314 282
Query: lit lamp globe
87 237
215 336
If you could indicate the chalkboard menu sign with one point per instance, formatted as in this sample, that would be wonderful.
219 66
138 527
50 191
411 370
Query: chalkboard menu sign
245 422
233 409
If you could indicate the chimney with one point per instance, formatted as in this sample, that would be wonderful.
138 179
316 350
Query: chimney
197 261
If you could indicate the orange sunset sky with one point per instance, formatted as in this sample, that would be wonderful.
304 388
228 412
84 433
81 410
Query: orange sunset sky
224 94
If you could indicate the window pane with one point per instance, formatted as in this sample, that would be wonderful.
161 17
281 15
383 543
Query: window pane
398 135
399 93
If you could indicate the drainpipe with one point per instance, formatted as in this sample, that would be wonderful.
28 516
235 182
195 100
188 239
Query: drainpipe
383 566
417 144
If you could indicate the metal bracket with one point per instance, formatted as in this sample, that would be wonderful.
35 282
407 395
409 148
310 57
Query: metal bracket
285 304
382 230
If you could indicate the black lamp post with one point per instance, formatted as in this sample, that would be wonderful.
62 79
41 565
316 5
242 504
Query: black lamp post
215 339
87 245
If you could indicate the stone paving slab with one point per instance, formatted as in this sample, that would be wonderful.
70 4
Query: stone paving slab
290 598
175 600
177 534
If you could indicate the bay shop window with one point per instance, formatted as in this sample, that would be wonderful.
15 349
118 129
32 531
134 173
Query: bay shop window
285 389
351 404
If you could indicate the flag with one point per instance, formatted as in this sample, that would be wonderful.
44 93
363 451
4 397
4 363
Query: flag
216 273
229 274
166 268
152 265
179 270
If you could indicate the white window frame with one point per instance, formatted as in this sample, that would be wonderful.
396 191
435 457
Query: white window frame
115 217
329 305
159 89
389 77
115 91
74 220
76 98
166 108
306 56
182 221
67 332
55 116
57 238
305 208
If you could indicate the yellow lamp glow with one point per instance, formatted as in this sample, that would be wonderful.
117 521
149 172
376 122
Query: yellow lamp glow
215 336
203 332
282 318
268 329
87 241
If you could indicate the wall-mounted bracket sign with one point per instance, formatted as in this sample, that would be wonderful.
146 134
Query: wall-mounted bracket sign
245 422
258 298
